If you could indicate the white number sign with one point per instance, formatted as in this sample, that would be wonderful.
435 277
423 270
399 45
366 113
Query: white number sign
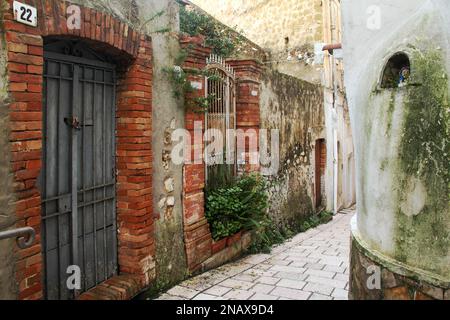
25 14
196 85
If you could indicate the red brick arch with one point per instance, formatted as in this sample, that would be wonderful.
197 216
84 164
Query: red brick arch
133 154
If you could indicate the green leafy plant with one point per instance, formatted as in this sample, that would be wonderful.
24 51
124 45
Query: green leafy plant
305 226
316 220
325 217
269 234
241 205
223 40
182 86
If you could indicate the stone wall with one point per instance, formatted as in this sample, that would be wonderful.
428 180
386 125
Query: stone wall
372 278
246 49
269 22
286 29
295 107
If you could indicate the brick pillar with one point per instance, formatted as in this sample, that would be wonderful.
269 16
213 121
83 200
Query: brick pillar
25 66
248 74
134 164
197 235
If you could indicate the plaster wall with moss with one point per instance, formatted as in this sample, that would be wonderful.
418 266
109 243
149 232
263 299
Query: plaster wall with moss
168 115
293 107
401 135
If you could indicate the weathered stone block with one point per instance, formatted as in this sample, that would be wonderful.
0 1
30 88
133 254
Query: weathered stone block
393 286
388 279
399 293
447 294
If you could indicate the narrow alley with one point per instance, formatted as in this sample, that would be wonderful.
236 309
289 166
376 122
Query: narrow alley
312 266
159 149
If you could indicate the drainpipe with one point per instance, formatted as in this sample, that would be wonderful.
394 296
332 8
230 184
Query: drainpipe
335 172
330 48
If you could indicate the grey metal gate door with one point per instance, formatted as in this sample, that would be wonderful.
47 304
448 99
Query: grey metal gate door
221 116
78 176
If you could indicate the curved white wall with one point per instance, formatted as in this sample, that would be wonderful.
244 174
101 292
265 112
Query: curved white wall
378 117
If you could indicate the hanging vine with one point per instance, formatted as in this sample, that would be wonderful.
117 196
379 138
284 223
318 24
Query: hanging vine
179 78
223 40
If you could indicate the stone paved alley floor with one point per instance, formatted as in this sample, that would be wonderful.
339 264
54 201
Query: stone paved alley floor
312 266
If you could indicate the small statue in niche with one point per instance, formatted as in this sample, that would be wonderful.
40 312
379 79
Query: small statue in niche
403 76
396 72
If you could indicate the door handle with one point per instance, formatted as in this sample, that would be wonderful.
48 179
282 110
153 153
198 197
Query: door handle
24 236
73 122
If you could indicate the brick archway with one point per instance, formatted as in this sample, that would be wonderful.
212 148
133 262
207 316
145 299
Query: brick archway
133 52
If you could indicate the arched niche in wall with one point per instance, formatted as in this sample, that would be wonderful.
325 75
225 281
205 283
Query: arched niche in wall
396 71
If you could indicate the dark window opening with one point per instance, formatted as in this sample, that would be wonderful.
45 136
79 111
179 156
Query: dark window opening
397 71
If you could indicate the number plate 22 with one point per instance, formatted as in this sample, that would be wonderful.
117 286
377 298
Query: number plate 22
25 14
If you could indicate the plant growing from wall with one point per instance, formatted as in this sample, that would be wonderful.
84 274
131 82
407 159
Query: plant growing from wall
269 234
182 86
237 206
224 41
241 204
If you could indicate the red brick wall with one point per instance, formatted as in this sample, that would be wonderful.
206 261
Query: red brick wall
134 167
248 117
197 235
134 116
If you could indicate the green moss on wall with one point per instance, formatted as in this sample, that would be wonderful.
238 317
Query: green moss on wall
171 266
390 113
424 161
295 108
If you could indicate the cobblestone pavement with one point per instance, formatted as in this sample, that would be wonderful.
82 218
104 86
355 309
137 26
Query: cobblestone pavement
312 266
